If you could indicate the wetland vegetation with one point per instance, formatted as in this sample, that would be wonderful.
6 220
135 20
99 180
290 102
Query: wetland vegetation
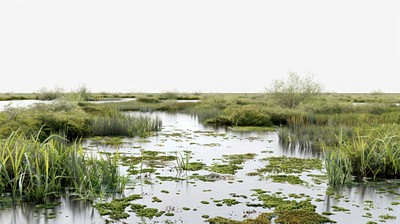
291 155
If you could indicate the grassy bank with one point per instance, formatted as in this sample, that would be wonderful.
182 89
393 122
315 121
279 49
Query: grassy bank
74 120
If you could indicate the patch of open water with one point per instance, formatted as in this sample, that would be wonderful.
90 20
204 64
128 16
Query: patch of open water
19 103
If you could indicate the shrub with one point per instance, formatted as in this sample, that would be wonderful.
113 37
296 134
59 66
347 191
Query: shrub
294 90
45 94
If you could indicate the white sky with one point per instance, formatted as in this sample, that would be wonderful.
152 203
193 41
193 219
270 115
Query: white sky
198 45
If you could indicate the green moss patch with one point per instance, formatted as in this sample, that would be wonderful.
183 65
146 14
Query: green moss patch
114 141
225 168
301 217
291 179
239 158
116 208
290 165
264 218
194 166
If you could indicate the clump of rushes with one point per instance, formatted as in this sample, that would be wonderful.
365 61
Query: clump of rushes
119 124
375 154
35 171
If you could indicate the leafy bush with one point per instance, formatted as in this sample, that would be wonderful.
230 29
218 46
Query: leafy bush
294 90
45 94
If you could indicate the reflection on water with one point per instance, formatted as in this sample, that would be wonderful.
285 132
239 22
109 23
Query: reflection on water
208 144
295 150
70 211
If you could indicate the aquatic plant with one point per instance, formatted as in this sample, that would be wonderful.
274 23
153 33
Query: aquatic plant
119 124
182 161
247 115
116 208
34 170
375 154
290 165
301 217
263 218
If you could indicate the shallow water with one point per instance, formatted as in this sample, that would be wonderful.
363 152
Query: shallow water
19 103
207 144
113 100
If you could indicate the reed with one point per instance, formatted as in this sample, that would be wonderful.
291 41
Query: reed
338 163
182 161
36 171
119 124
374 154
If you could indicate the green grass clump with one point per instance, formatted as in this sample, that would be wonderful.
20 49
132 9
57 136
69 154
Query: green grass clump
291 179
149 213
375 154
233 163
289 211
301 217
387 217
238 158
194 166
264 218
230 201
225 168
35 170
119 124
290 165
248 115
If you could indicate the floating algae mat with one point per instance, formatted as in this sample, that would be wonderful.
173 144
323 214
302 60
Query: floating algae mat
191 173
